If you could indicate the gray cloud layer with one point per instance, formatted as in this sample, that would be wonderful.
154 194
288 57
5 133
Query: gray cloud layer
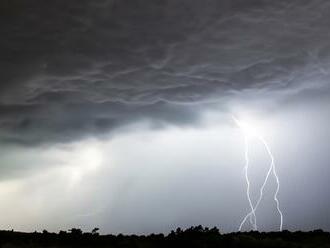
75 68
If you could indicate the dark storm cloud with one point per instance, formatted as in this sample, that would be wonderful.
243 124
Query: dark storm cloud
75 68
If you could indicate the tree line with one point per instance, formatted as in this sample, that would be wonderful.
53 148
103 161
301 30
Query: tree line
194 237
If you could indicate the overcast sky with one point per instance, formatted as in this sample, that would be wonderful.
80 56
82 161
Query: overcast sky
117 113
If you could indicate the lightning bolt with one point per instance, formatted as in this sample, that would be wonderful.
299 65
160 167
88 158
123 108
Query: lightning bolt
253 219
272 169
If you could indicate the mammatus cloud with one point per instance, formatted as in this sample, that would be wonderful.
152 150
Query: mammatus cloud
70 70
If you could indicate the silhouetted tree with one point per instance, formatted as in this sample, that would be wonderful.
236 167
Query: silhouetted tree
95 231
75 231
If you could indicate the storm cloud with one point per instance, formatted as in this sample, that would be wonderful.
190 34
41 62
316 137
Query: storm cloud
117 113
71 69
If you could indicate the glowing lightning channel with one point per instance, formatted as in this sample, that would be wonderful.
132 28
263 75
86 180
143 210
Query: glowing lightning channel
272 168
253 219
277 181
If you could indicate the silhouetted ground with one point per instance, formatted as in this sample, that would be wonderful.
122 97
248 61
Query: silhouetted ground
194 237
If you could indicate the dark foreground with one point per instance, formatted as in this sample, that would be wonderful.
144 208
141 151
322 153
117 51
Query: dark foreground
191 237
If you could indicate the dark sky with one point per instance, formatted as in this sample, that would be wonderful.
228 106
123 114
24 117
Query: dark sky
145 90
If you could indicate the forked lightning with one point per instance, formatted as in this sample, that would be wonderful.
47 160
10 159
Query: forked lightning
272 169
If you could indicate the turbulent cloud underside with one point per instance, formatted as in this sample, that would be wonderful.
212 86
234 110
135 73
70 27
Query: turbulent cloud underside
72 69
